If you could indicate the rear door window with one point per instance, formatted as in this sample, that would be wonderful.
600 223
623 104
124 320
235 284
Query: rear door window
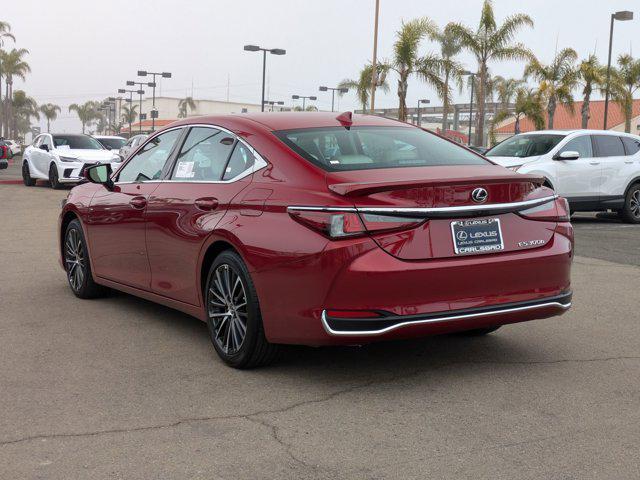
631 145
203 156
609 146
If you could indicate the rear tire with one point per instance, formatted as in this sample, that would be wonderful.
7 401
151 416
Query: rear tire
53 177
26 175
478 332
233 314
630 213
77 264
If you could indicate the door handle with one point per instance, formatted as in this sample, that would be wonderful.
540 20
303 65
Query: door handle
594 163
206 203
138 202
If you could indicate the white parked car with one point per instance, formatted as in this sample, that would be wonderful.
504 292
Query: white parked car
111 142
595 170
133 143
60 158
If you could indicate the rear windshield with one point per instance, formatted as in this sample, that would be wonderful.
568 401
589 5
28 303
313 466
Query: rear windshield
76 142
363 148
112 143
522 146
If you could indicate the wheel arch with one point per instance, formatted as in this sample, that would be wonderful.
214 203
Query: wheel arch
633 182
214 248
66 219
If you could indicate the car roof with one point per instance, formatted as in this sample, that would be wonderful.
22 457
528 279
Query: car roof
291 120
109 136
574 131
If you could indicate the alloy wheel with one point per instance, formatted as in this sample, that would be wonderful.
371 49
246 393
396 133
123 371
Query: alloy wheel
74 259
634 203
227 308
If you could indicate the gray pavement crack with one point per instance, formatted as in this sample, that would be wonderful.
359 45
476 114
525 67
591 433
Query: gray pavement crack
292 406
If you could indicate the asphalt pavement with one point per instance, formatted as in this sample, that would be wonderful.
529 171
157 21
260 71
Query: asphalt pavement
121 388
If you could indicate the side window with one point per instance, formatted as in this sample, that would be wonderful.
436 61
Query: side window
241 159
582 145
148 163
631 145
609 145
203 155
36 142
47 140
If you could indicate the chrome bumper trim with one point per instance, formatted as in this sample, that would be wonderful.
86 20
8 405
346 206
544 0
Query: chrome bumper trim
448 318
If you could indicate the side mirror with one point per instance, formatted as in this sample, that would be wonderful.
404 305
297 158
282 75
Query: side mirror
44 147
100 174
567 155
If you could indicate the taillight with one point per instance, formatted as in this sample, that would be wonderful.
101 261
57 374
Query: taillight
337 223
556 210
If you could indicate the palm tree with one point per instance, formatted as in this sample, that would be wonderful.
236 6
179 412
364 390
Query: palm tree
129 114
50 112
24 107
13 65
624 82
491 42
591 74
362 85
450 46
505 89
407 61
184 105
5 32
308 108
529 104
557 80
87 112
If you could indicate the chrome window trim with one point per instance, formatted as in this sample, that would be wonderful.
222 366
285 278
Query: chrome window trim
434 211
259 163
497 311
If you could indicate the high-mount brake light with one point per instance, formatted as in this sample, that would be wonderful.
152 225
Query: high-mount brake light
336 223
556 210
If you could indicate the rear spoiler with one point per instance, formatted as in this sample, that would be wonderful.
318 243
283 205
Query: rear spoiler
354 189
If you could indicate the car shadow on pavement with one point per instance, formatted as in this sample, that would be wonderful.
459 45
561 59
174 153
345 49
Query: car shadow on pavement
398 358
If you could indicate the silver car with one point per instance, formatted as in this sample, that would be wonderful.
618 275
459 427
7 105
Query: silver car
131 145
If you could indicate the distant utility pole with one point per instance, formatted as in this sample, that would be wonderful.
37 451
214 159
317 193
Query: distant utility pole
374 62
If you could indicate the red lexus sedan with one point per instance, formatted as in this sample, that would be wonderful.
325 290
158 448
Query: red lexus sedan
316 229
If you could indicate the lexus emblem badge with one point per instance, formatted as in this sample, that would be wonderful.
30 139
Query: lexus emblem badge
479 195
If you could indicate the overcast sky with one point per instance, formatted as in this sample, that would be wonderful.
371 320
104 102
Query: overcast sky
82 49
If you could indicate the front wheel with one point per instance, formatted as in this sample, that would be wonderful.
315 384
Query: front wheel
77 265
27 179
631 211
53 177
233 314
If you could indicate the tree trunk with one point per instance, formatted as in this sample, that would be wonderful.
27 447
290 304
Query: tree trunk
551 111
48 125
445 103
402 98
482 88
585 106
516 129
628 113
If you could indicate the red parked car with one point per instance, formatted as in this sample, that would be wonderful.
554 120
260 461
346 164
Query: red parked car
316 229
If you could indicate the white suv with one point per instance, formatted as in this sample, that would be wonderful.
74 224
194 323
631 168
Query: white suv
60 158
594 170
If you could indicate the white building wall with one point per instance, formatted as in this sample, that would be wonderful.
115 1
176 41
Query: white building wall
168 107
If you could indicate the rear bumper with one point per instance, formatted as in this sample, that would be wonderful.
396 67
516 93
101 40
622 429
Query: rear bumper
457 318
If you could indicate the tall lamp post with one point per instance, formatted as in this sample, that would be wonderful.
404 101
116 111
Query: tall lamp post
333 93
144 73
130 100
140 92
473 81
304 98
273 51
425 101
621 16
271 103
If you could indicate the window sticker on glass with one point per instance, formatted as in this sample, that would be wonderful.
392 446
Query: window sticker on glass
184 170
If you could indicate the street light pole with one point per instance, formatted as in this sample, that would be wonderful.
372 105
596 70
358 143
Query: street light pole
273 51
303 97
374 62
622 16
333 93
419 120
154 112
130 101
140 92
